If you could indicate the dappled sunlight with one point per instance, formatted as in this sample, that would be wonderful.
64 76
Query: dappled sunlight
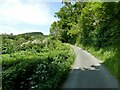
88 72
94 77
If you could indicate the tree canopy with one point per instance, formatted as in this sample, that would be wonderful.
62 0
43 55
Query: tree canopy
88 23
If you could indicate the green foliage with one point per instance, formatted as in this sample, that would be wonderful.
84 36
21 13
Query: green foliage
13 43
88 22
109 57
33 70
93 25
63 29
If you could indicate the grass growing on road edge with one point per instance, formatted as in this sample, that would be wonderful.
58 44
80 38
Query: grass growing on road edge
109 56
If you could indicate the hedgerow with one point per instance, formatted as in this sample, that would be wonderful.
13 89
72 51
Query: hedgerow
32 70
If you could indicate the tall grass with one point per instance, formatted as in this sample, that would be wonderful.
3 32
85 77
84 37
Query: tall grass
109 56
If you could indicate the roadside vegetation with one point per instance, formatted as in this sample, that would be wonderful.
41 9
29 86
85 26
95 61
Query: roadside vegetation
34 62
93 26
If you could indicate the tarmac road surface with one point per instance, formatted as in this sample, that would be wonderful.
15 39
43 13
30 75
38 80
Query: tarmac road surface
88 72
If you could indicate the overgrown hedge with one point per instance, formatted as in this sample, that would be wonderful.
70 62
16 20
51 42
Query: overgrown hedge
29 70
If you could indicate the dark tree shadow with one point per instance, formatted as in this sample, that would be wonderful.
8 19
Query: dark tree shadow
95 77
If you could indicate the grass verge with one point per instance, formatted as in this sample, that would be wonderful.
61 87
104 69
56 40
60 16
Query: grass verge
110 58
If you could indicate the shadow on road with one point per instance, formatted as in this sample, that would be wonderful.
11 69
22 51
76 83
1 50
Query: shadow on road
93 77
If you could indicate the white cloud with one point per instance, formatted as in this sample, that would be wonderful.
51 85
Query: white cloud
10 1
19 12
17 31
45 1
33 13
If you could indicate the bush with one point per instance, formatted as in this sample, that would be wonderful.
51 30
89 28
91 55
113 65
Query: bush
28 70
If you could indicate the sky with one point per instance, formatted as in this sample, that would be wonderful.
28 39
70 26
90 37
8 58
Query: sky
21 16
